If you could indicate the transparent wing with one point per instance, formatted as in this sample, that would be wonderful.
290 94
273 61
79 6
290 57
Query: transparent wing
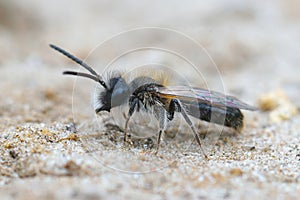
201 95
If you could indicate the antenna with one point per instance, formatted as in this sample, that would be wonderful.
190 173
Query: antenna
96 76
81 74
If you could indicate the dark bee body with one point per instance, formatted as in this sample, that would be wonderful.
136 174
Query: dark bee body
227 116
144 93
149 95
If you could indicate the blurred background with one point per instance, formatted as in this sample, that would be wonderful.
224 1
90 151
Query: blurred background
237 34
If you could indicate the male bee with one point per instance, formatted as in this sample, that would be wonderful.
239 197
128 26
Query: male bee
145 93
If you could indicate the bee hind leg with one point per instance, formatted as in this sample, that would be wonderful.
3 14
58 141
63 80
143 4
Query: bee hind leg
180 109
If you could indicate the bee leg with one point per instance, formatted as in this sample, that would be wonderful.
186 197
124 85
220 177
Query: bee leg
132 105
188 120
161 115
172 109
125 131
158 140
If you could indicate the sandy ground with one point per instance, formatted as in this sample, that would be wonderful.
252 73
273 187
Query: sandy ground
53 146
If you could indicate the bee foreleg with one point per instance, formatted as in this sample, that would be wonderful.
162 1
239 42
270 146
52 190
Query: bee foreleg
188 120
125 130
161 131
132 106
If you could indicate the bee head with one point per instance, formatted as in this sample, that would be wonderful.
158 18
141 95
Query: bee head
115 88
115 95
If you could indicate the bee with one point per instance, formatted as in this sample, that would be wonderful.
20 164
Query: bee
144 94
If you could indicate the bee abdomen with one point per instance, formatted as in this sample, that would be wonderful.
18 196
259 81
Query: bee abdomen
227 116
234 118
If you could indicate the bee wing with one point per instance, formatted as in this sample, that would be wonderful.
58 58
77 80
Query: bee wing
206 96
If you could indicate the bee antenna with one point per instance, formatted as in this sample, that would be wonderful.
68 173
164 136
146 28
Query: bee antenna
97 77
81 74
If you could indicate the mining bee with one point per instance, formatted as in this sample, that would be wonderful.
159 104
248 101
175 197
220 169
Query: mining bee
144 93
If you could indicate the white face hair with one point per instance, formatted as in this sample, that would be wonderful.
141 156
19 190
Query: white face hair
116 93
